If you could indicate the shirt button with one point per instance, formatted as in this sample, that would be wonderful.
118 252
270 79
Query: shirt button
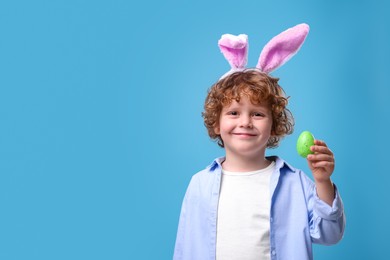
273 252
271 219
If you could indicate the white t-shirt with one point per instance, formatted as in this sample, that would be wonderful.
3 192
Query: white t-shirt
243 224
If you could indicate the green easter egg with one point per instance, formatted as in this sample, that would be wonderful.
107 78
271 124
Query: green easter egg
305 141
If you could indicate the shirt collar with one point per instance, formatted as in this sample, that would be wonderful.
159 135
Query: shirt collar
279 163
216 163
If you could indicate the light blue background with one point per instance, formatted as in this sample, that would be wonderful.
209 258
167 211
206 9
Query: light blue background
100 126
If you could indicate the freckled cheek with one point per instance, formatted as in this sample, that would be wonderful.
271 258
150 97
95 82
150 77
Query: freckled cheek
226 126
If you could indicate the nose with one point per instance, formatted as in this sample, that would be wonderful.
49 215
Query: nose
246 121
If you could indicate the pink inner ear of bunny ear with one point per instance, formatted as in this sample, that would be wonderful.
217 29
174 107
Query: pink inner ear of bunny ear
235 49
282 47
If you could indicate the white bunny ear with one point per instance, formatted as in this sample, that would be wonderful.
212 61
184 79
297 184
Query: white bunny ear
235 50
282 47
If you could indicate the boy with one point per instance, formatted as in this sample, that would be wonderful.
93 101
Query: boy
245 205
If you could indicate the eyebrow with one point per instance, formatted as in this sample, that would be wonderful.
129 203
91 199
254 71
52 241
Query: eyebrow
255 107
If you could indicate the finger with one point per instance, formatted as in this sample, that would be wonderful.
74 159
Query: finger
320 142
322 164
320 157
321 149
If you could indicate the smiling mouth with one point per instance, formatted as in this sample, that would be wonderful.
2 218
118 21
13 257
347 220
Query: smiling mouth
244 134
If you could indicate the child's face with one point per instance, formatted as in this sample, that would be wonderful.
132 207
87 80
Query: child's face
245 128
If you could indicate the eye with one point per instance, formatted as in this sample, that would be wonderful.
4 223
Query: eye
232 113
257 114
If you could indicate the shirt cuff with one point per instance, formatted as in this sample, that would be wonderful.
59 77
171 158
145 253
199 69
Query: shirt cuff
325 211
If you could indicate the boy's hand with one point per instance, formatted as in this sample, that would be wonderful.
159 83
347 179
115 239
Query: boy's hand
321 163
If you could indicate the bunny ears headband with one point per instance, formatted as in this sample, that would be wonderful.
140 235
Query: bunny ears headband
274 54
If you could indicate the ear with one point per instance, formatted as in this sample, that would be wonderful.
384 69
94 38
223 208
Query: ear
282 47
235 49
217 130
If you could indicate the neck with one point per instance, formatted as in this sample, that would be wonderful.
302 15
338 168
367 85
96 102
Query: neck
244 163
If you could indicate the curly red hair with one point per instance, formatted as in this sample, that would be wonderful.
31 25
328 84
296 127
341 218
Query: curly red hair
260 88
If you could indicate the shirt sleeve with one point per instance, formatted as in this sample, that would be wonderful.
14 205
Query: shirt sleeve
327 222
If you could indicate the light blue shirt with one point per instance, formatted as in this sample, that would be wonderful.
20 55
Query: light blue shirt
298 217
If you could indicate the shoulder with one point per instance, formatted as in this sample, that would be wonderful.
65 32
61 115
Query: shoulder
205 179
213 168
286 168
282 165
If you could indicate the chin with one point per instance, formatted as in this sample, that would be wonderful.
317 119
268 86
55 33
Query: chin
249 152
